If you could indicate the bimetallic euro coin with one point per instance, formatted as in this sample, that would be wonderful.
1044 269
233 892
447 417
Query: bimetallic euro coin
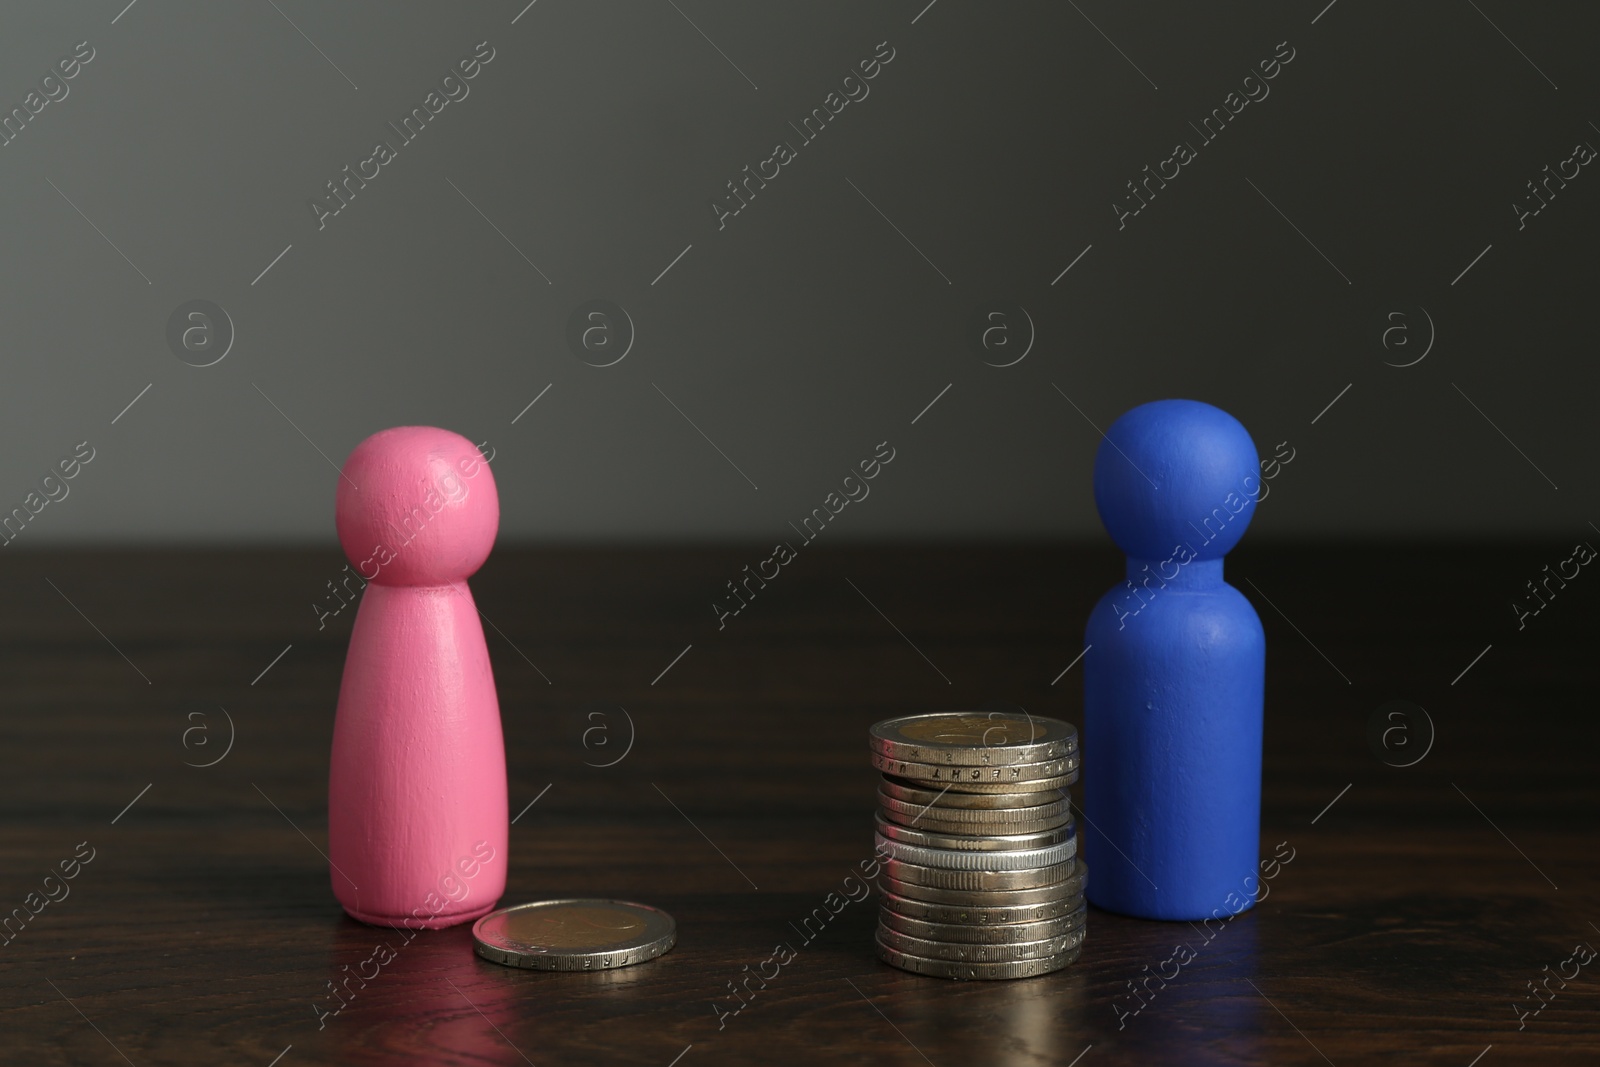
1049 893
944 878
1042 785
973 842
998 821
937 826
1012 775
989 911
975 971
974 738
914 793
574 935
966 860
967 952
1000 934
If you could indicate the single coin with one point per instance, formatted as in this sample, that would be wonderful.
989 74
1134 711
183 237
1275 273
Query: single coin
995 821
912 793
973 842
986 822
574 935
976 828
1041 789
974 738
944 878
1043 785
965 860
989 914
1056 803
1000 934
995 829
1012 775
975 971
965 952
1049 893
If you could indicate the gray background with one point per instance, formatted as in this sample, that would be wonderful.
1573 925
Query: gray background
809 329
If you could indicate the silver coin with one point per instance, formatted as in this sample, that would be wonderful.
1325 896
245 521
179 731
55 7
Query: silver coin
574 935
1043 785
912 793
996 821
944 878
989 913
1012 775
964 860
1000 934
966 952
964 829
1052 803
981 829
1049 893
974 738
975 971
972 842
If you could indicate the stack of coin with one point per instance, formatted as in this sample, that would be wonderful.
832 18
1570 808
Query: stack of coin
980 873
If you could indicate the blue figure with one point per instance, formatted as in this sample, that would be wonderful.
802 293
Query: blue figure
1173 683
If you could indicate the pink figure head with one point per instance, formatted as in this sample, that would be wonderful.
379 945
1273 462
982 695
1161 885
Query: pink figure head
423 509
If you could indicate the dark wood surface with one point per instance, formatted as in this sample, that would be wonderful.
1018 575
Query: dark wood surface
204 929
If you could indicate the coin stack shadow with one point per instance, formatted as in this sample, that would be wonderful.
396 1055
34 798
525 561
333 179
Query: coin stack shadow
980 875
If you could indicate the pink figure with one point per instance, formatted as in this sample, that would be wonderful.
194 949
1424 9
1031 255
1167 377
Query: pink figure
417 817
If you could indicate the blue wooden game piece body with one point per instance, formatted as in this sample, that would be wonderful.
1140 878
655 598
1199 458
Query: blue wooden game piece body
1173 683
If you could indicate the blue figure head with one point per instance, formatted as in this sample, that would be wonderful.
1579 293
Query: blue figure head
1174 472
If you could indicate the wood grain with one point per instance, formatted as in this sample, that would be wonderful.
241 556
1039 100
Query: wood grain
205 928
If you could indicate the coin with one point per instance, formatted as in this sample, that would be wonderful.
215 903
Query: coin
989 913
1002 821
912 793
1055 806
994 934
966 952
1043 785
973 842
1011 775
1048 893
966 860
938 826
974 738
574 935
978 971
957 829
943 878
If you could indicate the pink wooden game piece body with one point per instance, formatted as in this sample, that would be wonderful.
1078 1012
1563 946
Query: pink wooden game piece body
417 816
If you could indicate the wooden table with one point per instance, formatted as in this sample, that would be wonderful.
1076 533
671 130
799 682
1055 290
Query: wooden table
1420 902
